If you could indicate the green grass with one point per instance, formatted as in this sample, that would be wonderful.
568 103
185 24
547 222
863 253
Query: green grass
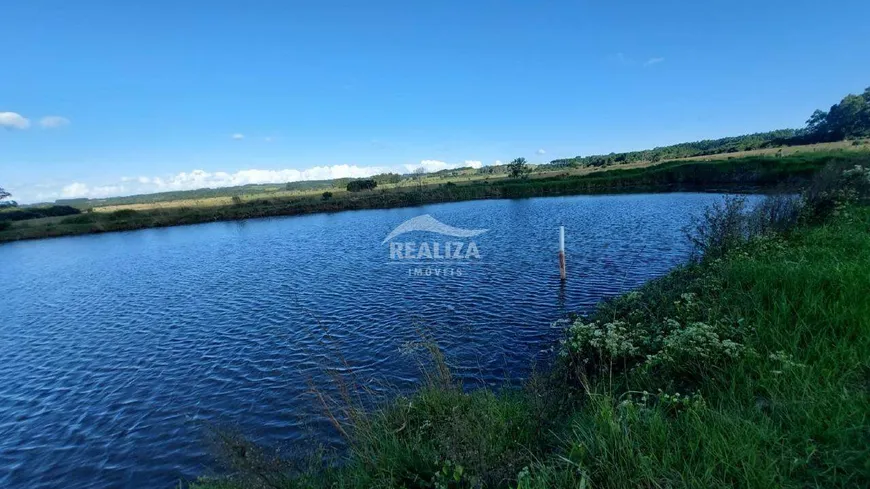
791 411
749 370
748 174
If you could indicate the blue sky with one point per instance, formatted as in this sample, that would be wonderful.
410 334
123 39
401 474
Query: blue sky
143 94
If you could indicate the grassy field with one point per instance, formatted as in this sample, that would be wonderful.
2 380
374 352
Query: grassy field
749 368
857 145
736 174
279 193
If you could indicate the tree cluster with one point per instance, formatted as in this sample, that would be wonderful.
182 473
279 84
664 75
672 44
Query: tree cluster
360 185
6 203
518 168
848 119
384 178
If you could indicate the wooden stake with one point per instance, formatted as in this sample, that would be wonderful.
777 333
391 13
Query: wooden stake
562 272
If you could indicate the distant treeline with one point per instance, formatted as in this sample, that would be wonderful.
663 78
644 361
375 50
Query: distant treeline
683 150
21 214
849 119
208 193
203 193
746 174
380 179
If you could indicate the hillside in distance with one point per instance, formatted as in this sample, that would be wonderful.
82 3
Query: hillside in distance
847 120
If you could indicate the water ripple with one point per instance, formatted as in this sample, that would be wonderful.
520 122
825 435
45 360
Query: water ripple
116 349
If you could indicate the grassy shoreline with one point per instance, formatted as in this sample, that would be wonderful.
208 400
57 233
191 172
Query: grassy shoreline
747 174
748 368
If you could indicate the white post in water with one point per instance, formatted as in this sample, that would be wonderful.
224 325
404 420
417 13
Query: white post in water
562 252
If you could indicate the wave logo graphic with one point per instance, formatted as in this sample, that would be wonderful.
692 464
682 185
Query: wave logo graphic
429 224
435 257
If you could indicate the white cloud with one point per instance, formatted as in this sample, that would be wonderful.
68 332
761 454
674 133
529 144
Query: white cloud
53 121
79 190
428 165
13 120
107 191
653 61
541 151
432 166
237 136
204 179
197 179
74 190
497 163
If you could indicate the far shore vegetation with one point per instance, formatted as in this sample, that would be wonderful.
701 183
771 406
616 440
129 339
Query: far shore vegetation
749 163
747 367
737 174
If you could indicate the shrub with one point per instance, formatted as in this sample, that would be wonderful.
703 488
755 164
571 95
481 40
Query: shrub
775 214
669 331
326 196
596 344
38 212
236 200
360 185
858 179
834 188
4 225
82 219
720 229
728 225
695 348
123 214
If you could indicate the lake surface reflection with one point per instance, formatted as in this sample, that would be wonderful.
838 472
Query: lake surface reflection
116 349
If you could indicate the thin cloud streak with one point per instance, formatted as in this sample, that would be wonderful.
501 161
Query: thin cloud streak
53 121
198 179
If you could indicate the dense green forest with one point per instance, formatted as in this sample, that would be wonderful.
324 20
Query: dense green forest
849 119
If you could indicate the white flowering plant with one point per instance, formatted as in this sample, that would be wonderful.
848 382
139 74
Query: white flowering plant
671 330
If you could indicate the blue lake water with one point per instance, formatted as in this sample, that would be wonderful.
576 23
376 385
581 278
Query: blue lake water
117 350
